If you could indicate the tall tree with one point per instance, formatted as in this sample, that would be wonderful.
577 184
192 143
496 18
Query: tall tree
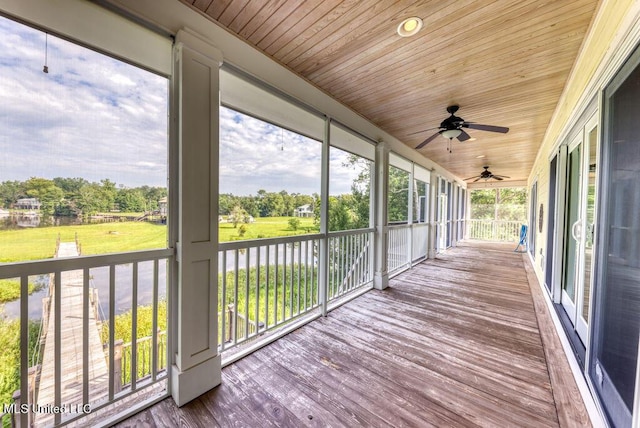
70 186
46 191
398 195
92 200
238 215
10 192
131 200
109 192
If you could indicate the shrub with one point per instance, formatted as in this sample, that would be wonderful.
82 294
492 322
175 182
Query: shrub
294 223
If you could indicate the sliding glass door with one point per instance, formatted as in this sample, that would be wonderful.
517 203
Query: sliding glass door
572 230
579 207
551 223
589 170
613 364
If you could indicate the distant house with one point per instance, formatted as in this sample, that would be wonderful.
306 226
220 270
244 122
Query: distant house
162 207
27 204
303 211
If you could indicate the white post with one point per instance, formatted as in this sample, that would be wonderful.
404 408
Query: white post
455 189
410 215
323 257
467 213
381 275
434 189
196 367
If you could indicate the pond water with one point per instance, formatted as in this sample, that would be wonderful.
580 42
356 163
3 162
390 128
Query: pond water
23 220
100 280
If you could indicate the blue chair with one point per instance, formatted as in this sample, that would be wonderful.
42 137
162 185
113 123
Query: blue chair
523 240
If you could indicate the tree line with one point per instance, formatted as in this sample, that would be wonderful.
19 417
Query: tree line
80 197
509 204
348 211
265 204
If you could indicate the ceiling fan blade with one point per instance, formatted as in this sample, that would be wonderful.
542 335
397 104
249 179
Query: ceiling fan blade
463 136
497 177
424 130
490 128
475 176
477 179
501 176
427 141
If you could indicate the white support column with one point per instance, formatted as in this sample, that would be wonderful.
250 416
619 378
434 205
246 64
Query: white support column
196 367
467 212
323 257
434 192
410 218
381 275
454 214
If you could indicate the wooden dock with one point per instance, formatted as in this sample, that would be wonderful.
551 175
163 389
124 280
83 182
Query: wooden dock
459 340
71 345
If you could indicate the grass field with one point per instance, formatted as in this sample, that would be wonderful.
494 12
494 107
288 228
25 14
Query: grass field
266 227
40 243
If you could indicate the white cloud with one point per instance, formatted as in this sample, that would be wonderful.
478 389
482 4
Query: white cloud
95 117
255 155
91 116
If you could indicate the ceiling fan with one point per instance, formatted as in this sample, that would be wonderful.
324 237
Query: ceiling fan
486 175
452 126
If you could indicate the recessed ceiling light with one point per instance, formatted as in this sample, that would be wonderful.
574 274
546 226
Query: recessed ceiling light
409 26
472 139
480 157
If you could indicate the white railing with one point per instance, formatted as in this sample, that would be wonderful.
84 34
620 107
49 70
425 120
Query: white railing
419 241
148 359
76 369
266 284
350 262
408 244
398 255
494 230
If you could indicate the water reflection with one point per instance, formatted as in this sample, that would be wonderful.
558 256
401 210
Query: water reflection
29 219
100 280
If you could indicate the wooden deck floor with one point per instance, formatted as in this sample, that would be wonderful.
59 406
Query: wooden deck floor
71 347
453 342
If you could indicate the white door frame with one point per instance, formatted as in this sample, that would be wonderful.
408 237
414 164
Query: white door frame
569 302
581 324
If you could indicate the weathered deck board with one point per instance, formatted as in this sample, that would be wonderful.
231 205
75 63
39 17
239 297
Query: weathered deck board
453 342
71 347
565 389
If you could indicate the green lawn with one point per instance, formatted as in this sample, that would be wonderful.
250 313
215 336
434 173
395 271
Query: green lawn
266 227
40 243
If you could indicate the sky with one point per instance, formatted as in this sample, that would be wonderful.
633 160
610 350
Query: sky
95 117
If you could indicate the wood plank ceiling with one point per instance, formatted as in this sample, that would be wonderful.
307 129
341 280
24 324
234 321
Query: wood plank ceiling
505 62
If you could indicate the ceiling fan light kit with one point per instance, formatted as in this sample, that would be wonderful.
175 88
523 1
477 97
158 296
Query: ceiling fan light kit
486 175
451 128
451 133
